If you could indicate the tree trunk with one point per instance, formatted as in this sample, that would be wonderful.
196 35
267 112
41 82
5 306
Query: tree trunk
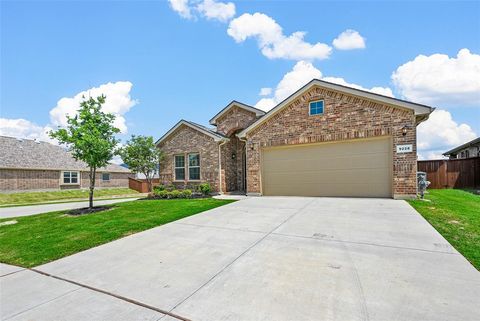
92 186
149 182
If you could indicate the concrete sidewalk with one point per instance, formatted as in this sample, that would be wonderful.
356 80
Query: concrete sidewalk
262 258
7 212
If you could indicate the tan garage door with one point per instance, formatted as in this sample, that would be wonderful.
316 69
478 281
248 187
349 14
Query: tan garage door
355 168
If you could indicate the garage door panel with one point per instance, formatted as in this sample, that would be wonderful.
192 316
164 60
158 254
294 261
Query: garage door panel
359 168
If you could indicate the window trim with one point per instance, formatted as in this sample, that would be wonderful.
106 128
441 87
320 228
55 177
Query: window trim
106 180
310 108
199 170
62 174
175 168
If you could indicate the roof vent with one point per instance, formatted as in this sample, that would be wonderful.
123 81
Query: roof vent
20 140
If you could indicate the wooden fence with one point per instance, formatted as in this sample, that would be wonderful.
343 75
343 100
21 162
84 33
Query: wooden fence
141 185
452 173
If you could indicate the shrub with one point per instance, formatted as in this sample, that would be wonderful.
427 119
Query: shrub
187 193
161 193
175 194
159 188
205 188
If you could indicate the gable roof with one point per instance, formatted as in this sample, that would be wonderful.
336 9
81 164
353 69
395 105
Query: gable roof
466 145
207 131
18 153
421 111
232 104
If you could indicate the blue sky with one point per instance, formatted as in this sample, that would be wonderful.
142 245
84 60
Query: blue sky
188 59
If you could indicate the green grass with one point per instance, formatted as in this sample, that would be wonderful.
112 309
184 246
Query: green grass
456 215
42 238
42 197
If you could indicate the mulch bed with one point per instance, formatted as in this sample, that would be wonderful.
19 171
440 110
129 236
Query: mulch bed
87 210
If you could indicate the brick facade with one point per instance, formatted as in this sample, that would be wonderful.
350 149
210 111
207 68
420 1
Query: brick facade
234 120
345 117
37 180
187 140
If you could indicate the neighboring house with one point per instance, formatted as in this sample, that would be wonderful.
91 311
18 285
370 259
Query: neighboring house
323 140
467 150
33 165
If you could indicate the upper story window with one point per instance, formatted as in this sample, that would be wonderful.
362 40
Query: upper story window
316 107
105 177
70 177
194 166
179 167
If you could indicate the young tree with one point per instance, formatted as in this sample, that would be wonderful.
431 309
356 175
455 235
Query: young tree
142 156
90 137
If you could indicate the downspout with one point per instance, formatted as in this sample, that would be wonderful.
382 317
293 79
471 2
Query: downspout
220 166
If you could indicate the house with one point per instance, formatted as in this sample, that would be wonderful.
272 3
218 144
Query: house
27 165
467 150
323 140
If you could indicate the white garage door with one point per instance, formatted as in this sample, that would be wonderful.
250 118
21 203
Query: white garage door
360 168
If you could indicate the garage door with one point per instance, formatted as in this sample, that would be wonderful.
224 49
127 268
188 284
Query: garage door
361 169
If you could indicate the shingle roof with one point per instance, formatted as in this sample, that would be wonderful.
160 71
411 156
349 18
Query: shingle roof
458 148
31 154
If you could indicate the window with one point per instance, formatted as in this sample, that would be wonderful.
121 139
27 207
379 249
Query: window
194 166
467 153
70 177
105 177
316 107
179 167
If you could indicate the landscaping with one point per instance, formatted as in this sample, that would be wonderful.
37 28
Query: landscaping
456 215
38 239
28 198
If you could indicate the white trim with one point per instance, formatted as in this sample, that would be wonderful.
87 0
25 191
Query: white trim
62 177
175 168
417 108
310 108
199 169
257 111
186 123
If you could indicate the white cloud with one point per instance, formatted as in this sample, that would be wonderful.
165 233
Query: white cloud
265 91
302 73
440 133
348 40
182 8
210 9
217 10
118 102
22 128
439 79
271 40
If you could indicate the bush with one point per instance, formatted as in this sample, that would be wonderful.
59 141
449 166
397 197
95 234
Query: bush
161 193
159 188
187 193
175 194
205 188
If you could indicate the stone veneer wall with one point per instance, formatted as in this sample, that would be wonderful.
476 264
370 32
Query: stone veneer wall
345 118
187 140
12 180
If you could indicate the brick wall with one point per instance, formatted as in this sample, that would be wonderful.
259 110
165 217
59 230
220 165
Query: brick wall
345 118
116 180
235 119
12 180
187 140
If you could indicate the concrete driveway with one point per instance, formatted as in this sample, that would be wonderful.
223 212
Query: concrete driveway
268 258
6 212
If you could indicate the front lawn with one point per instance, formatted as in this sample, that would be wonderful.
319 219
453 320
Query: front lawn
456 215
42 238
26 198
